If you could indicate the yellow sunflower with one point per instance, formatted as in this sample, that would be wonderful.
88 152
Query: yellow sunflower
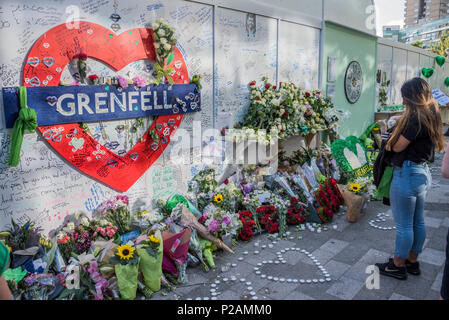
218 198
154 239
125 252
355 187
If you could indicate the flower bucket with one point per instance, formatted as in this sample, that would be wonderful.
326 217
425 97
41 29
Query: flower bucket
353 202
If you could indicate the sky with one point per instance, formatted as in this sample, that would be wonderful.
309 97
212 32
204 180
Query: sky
389 12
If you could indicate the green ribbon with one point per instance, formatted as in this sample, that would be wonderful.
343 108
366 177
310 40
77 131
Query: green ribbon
163 72
26 122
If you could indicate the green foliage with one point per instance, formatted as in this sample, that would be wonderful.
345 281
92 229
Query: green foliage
439 47
418 44
383 96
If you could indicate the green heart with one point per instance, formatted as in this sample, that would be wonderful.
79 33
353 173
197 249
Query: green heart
446 82
349 154
427 72
440 60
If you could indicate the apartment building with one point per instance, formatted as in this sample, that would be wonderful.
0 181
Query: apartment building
424 11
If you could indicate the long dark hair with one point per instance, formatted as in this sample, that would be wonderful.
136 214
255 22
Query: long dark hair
418 100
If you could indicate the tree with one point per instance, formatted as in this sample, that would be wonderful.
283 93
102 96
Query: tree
418 44
440 46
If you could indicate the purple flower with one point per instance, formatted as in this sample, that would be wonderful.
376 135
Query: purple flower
247 188
122 82
214 226
226 220
139 81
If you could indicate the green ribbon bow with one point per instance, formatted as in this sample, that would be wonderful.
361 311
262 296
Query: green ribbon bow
26 122
163 72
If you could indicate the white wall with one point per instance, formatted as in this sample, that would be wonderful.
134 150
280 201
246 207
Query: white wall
45 188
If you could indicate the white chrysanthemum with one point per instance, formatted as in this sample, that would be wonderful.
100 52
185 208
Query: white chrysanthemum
167 46
161 32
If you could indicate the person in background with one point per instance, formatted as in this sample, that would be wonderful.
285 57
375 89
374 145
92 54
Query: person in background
445 284
5 293
417 134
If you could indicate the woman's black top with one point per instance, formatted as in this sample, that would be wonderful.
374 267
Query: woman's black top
421 147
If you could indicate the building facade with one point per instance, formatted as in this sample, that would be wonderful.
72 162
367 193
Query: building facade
393 32
424 11
427 33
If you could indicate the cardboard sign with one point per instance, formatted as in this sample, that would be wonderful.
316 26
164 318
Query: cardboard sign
440 97
69 104
43 67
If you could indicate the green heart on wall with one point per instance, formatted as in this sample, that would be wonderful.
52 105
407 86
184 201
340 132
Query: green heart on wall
427 72
446 82
440 60
350 154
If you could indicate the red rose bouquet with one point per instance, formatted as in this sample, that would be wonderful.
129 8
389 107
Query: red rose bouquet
268 218
246 232
296 213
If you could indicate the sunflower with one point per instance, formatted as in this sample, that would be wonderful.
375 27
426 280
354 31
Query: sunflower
125 252
355 187
154 239
218 198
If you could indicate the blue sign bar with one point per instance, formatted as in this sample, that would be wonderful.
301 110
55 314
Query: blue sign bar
92 103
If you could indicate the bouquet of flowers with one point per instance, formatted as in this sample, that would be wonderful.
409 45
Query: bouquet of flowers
150 251
164 41
220 222
126 265
287 111
268 218
203 185
363 186
116 211
248 225
296 213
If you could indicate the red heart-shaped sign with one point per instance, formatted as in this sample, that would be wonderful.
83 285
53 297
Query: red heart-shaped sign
60 45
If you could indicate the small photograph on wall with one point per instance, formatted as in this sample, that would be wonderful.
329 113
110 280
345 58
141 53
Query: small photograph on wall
251 24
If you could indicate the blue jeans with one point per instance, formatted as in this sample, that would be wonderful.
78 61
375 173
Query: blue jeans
407 195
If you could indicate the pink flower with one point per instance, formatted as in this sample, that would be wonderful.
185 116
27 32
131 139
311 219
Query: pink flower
76 83
122 82
214 226
226 220
139 81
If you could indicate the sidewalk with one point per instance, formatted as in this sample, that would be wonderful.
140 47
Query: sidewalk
344 252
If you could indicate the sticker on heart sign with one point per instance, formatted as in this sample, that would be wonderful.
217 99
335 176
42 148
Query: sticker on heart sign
350 156
117 51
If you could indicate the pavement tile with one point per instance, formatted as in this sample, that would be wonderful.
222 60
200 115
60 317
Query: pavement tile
295 295
415 288
334 245
432 222
432 256
396 296
336 269
277 290
436 285
445 222
345 288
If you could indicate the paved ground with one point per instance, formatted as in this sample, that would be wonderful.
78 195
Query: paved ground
344 253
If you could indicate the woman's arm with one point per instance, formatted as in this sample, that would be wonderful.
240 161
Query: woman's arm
445 166
401 144
5 293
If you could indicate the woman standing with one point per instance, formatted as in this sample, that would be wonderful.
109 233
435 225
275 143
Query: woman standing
416 136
